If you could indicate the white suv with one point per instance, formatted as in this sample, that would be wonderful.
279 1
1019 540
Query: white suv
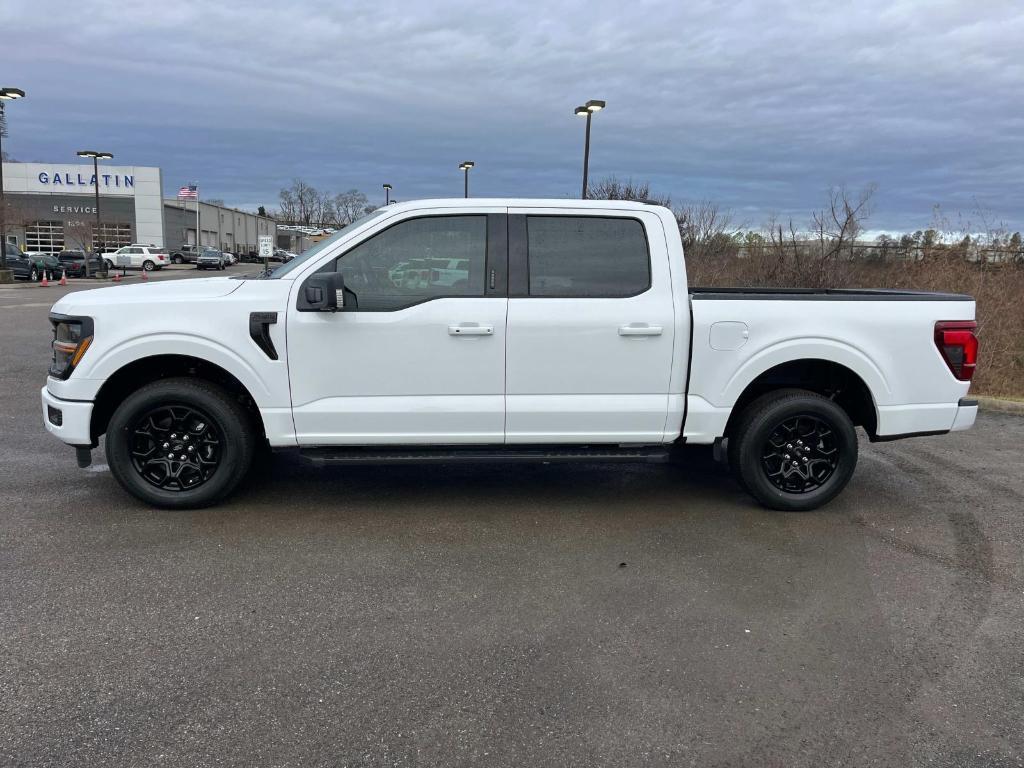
147 257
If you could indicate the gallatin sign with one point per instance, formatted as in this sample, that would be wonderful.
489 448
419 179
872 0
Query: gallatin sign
65 179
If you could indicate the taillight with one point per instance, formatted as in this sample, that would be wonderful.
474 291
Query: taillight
958 346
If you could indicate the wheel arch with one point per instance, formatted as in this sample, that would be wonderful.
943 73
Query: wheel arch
145 370
825 377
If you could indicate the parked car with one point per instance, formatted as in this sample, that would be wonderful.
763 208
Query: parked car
136 256
73 262
22 265
575 338
210 258
282 256
229 258
186 254
43 263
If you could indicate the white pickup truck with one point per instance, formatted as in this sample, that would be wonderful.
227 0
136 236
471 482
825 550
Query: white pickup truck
571 335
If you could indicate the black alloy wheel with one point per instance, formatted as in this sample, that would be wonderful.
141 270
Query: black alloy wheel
176 447
800 454
181 443
793 450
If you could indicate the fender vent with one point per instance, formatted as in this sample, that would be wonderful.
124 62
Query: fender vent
259 331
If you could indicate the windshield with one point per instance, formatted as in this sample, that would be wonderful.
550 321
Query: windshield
324 244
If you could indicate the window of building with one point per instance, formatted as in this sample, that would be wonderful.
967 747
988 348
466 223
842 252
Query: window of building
587 256
417 260
44 236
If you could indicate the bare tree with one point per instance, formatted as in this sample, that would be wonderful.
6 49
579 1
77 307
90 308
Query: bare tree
301 203
834 231
611 188
709 239
349 206
79 235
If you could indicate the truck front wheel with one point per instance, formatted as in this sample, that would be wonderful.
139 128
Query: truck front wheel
180 443
793 450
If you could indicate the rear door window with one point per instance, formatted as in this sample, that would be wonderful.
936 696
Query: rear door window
587 256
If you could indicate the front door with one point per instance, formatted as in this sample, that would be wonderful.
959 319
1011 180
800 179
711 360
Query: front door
591 327
418 353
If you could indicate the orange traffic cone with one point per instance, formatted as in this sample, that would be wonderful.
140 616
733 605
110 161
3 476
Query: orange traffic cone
63 277
145 275
117 277
44 283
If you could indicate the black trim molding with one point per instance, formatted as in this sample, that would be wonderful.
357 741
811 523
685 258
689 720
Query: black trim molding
259 331
890 438
824 294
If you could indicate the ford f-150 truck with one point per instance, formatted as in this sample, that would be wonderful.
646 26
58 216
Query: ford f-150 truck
570 333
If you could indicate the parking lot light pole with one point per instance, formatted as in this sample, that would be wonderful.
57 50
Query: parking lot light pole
6 94
588 110
387 194
96 157
464 167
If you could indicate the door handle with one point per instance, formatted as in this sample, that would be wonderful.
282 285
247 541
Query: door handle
467 329
638 329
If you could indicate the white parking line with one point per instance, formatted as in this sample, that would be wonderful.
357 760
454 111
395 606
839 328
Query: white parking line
14 306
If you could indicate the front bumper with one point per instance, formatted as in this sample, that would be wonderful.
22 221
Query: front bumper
68 420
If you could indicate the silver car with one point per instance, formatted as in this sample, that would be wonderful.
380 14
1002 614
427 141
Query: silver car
210 258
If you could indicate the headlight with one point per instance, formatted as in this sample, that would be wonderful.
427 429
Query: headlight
71 338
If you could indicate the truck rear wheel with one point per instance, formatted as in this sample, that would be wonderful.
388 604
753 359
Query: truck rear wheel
180 443
793 450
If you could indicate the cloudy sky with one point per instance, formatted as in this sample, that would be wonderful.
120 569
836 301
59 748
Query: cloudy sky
760 106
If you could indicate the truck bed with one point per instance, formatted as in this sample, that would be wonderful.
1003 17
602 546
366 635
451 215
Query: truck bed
884 337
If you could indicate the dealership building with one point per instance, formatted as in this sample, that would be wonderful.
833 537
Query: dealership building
52 206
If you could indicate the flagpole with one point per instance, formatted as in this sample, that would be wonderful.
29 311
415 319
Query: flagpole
199 232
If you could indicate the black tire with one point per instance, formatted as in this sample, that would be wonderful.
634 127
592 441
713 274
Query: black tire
226 429
177 260
34 275
768 441
148 265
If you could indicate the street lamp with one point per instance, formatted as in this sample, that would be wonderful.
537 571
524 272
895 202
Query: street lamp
464 167
6 94
96 157
588 110
387 194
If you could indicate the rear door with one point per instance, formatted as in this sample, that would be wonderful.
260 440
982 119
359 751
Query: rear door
590 327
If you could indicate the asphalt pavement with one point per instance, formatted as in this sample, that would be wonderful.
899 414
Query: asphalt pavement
562 615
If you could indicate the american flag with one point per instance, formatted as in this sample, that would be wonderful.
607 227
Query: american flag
191 192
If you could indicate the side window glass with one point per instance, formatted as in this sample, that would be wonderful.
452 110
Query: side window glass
587 256
417 260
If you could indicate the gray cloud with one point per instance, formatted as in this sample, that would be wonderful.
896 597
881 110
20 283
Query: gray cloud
758 105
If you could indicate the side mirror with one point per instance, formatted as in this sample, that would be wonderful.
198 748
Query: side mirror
323 292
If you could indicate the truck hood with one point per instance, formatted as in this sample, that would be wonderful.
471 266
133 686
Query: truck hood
170 291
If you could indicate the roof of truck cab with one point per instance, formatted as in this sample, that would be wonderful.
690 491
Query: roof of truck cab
521 202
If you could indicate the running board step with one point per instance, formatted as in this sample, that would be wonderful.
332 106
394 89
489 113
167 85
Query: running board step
483 454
